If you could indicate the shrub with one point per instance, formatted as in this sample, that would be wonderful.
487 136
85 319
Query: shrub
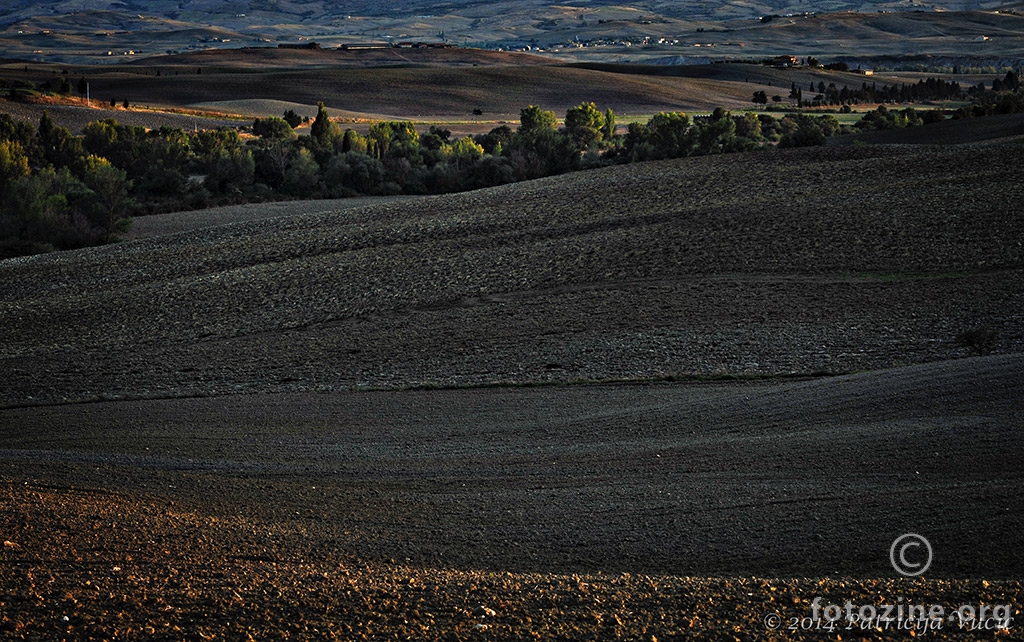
981 340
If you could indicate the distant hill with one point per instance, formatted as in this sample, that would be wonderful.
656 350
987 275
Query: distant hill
73 31
320 11
421 85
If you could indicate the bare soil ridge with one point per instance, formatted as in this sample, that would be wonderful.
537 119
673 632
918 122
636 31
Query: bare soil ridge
240 577
800 478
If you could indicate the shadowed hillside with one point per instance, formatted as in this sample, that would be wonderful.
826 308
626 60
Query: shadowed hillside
949 132
836 259
187 431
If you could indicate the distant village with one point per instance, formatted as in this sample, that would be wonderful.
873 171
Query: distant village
371 45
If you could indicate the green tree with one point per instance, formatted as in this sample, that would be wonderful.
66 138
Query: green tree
83 86
320 131
464 151
23 133
272 160
585 125
43 210
715 135
59 147
666 135
101 136
13 163
497 140
749 126
392 137
436 137
808 131
111 201
292 118
352 141
354 173
609 124
542 152
210 145
230 168
534 118
273 128
303 175
489 171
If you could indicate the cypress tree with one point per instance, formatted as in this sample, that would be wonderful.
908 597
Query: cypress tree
321 128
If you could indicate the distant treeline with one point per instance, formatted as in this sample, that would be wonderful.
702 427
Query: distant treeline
59 191
930 89
819 94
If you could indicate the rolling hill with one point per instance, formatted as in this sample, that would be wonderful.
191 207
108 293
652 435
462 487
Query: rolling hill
828 260
655 400
68 31
672 400
658 400
417 84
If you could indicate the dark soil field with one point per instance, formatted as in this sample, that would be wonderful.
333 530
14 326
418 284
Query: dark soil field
950 132
655 401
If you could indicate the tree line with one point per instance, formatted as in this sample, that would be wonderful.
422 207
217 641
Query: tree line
1005 97
60 191
822 94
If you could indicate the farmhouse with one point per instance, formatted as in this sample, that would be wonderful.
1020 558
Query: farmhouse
785 61
365 45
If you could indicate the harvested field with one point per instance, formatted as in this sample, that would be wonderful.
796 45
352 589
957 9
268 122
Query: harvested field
415 92
75 118
360 423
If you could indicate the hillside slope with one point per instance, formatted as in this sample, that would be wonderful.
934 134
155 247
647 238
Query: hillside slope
776 479
833 259
411 91
72 32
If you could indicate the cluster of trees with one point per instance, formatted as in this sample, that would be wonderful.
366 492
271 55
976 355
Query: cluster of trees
63 191
884 118
674 135
1005 97
53 193
1009 82
822 94
61 84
